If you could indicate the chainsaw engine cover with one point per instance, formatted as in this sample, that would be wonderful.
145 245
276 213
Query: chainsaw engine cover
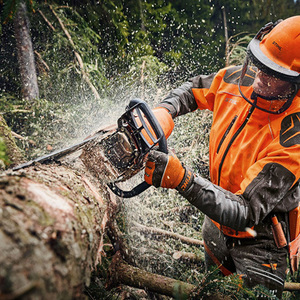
121 150
122 154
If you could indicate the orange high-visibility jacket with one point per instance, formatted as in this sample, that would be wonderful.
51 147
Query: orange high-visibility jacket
254 155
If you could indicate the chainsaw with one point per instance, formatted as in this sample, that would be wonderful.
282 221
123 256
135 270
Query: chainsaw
138 131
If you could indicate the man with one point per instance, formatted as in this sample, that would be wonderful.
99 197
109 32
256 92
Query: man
254 156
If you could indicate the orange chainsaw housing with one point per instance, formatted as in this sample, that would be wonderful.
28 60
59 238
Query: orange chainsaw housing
165 121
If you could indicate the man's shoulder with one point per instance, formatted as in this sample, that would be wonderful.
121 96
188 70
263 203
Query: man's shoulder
232 75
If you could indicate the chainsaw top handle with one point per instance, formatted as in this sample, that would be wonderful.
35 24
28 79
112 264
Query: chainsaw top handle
140 106
137 115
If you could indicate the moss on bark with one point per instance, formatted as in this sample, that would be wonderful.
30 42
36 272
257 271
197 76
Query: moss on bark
11 155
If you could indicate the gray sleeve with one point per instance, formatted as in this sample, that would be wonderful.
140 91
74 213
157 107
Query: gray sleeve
220 205
270 191
181 100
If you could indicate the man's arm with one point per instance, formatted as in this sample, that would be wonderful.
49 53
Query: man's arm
267 193
181 100
272 190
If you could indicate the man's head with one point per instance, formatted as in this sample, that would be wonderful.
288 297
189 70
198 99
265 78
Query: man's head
275 52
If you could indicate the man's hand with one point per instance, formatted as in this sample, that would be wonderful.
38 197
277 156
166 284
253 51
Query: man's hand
165 170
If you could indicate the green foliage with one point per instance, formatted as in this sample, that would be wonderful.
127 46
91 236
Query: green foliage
291 295
113 14
144 75
10 7
62 79
295 277
237 50
66 99
131 48
213 283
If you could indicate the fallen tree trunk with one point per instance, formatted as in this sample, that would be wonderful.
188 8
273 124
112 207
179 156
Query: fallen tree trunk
51 232
120 272
52 221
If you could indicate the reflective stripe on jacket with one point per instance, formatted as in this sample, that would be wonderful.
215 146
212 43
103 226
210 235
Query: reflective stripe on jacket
253 154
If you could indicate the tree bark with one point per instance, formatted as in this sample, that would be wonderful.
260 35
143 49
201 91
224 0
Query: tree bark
51 232
30 90
52 221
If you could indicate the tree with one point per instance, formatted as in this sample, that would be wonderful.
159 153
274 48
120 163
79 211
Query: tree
54 221
30 90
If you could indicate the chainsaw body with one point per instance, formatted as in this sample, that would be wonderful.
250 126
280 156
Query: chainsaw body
125 149
137 133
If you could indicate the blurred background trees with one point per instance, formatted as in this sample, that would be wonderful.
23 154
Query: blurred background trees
92 56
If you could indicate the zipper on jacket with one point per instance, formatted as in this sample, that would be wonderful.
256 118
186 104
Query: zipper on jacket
233 139
226 133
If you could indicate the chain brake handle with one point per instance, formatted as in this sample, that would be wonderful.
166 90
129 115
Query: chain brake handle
143 113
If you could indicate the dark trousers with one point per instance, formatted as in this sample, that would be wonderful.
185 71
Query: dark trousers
257 260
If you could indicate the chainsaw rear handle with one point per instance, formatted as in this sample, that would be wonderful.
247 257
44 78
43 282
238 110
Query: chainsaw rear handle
141 107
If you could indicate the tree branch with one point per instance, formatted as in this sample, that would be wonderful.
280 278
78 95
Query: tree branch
46 20
182 238
85 75
122 273
18 136
187 256
291 286
42 61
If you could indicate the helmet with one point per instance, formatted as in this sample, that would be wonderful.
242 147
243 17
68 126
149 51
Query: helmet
275 51
278 52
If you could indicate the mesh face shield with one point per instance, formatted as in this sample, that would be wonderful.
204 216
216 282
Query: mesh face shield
276 95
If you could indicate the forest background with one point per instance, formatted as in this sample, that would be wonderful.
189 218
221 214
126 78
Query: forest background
92 57
127 49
